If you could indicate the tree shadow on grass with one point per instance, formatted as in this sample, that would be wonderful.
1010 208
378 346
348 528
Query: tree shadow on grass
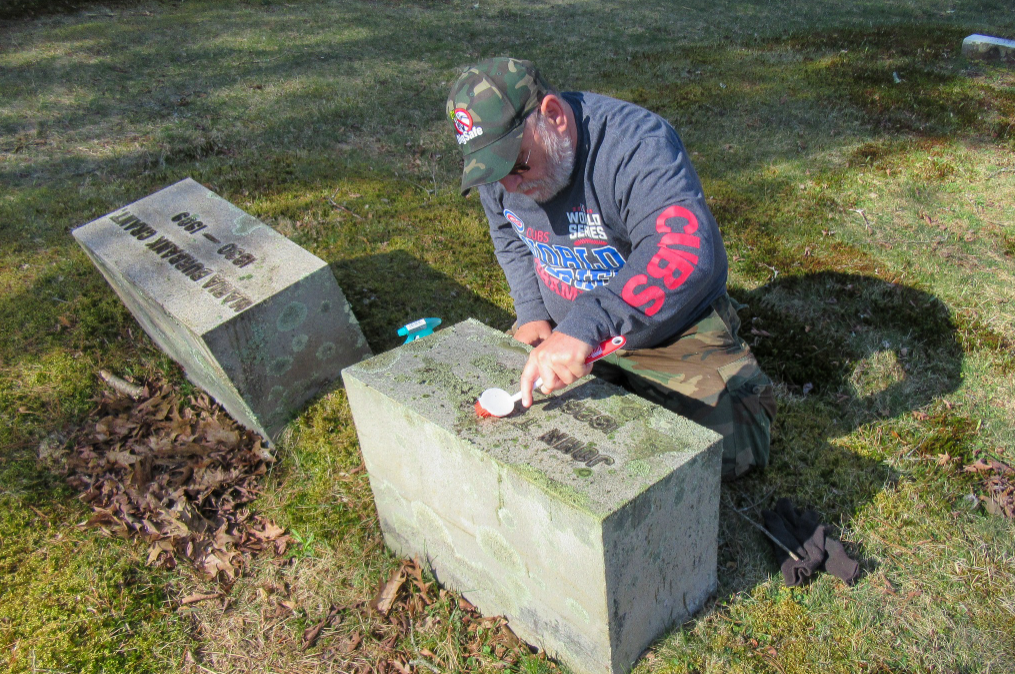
847 351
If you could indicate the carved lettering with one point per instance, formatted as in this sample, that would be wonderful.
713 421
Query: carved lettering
524 424
188 265
552 437
236 255
160 245
189 223
602 458
604 423
564 443
232 296
121 218
133 225
569 446
185 262
219 288
600 422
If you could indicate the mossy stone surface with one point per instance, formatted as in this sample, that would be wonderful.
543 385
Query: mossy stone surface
590 520
250 315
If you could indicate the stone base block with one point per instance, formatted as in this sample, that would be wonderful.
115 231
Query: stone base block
590 520
255 320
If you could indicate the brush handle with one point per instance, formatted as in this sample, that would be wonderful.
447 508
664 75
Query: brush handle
606 347
536 384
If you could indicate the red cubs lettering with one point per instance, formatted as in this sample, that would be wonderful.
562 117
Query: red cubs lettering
681 240
536 235
652 294
672 267
677 212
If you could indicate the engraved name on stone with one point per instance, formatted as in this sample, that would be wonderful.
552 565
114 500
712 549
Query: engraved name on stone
600 422
585 453
187 264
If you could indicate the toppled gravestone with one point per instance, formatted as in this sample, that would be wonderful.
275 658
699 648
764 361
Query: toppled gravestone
988 48
590 520
255 320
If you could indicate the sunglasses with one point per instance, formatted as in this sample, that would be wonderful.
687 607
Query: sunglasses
522 166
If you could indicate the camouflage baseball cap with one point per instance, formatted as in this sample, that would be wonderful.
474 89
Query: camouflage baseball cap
487 108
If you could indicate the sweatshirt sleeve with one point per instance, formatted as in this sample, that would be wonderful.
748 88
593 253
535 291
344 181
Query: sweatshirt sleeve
516 261
677 265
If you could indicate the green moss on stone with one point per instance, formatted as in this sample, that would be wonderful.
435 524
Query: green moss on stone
652 442
565 493
379 363
495 545
638 468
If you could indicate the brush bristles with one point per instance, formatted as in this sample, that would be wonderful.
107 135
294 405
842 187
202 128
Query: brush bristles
481 411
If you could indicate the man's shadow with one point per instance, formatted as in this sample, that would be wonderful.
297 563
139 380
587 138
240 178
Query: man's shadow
389 290
845 351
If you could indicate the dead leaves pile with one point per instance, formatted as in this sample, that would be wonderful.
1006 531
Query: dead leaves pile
174 473
1000 486
406 611
998 482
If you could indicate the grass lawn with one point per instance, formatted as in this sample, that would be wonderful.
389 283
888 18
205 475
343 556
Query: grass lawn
862 172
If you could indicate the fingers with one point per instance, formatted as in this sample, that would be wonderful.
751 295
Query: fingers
529 375
559 361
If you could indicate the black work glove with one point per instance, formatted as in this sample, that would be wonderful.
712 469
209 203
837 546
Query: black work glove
803 533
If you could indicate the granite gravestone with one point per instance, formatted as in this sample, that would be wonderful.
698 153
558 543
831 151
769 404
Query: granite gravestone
988 48
589 520
255 320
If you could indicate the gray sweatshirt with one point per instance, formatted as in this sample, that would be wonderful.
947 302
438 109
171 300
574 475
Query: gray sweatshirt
628 248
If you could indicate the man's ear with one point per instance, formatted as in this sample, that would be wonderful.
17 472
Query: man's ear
552 108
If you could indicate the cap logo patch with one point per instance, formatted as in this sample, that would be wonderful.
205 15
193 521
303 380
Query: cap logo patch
464 128
463 120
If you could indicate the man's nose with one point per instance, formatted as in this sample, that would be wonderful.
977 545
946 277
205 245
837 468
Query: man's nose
511 182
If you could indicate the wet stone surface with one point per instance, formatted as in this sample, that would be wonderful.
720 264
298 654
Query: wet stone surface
590 520
255 320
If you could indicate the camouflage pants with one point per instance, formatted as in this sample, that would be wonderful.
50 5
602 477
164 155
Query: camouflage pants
709 375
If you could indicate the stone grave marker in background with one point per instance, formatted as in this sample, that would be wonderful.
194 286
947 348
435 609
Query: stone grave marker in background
255 320
589 520
989 48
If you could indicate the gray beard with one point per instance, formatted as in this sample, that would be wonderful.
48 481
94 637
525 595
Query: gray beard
560 156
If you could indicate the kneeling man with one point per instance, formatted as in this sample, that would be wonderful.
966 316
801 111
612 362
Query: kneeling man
600 224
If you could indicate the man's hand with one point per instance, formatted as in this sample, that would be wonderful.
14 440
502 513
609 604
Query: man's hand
533 333
559 360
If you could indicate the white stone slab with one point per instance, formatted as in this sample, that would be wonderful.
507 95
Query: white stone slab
589 520
988 48
255 320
